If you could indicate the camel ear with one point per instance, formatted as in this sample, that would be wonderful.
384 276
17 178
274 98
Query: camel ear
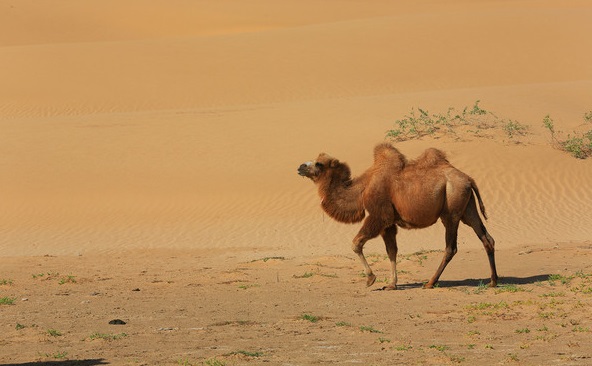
334 163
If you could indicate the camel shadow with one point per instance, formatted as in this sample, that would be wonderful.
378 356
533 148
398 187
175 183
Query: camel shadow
476 282
99 361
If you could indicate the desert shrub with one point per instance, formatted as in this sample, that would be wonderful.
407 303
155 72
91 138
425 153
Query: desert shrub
577 144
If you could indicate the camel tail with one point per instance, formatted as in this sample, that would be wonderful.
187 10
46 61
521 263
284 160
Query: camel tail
476 190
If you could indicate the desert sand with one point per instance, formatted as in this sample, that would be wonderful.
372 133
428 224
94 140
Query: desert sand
149 153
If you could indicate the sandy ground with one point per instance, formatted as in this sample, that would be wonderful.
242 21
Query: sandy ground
149 156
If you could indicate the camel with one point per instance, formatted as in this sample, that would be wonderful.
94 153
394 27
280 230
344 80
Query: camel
396 192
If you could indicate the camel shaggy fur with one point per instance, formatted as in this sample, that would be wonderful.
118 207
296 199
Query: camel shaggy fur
396 192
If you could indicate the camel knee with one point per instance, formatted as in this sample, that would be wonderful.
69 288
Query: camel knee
450 252
358 244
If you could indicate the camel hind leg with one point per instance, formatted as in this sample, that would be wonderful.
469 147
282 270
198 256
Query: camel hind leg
389 235
471 218
451 226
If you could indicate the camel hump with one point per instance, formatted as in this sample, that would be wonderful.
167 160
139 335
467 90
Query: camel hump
432 157
387 154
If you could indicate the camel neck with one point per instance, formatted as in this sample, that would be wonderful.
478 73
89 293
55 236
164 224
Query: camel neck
342 200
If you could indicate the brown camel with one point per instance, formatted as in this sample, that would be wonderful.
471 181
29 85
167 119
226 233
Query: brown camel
397 192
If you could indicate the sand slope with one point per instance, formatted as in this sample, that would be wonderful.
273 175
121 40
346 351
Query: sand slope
128 127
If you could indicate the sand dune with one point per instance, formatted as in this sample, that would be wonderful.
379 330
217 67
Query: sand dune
135 127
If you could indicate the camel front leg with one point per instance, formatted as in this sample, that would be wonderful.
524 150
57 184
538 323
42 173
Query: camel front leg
370 229
358 248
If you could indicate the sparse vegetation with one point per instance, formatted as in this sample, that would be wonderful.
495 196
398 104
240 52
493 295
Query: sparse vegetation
473 121
265 259
107 337
402 347
365 328
476 122
245 353
67 279
7 300
310 318
214 362
60 355
577 144
6 282
508 288
54 333
440 348
565 280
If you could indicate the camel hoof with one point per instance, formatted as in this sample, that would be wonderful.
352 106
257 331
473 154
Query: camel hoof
492 284
370 280
428 285
390 288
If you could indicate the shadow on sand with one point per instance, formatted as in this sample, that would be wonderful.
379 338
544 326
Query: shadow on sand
99 361
477 282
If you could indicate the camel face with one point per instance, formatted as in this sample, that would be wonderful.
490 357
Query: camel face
314 169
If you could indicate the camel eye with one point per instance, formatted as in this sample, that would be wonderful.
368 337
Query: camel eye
319 165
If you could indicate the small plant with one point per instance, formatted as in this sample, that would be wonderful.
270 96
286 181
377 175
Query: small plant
384 340
5 282
60 355
522 331
513 357
310 318
365 328
246 287
54 333
440 348
343 324
456 359
246 353
553 294
514 128
471 319
7 300
403 347
214 362
565 280
19 326
305 275
67 279
268 258
488 346
481 287
508 288
107 337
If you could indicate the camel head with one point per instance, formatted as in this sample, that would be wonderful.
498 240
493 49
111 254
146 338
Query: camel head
324 166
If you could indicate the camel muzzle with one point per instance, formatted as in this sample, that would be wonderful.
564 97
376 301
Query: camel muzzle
304 170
